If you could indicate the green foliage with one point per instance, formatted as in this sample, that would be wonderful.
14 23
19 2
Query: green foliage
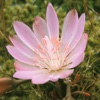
89 69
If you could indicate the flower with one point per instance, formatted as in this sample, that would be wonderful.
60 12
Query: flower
6 84
42 56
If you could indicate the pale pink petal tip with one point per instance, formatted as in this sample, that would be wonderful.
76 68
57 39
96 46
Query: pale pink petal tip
86 35
52 22
16 22
36 20
74 11
50 4
83 15
23 74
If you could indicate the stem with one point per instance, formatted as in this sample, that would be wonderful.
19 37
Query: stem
81 92
19 82
59 91
39 89
4 37
68 90
2 16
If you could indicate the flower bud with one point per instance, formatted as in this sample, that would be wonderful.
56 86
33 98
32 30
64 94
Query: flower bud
7 84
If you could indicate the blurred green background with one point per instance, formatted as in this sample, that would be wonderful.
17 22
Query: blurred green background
26 11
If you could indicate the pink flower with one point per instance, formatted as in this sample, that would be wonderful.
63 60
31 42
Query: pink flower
42 56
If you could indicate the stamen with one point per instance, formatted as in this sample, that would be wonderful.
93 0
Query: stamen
44 41
50 56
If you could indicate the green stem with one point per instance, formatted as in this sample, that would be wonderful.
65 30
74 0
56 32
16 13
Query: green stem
19 82
4 37
2 16
68 90
39 89
59 91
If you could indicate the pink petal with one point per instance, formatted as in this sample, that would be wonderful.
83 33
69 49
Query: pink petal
19 66
40 76
25 34
21 46
69 27
79 48
40 28
77 61
41 79
52 22
64 73
79 31
23 74
18 55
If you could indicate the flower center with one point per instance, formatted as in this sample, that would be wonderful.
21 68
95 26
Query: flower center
51 57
